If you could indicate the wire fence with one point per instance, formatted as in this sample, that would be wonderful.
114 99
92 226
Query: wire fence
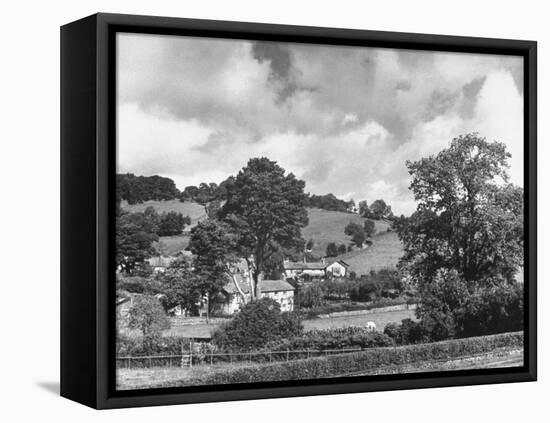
192 359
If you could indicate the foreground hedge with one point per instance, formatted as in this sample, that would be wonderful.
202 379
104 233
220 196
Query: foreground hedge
365 360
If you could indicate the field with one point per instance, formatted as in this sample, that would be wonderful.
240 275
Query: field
328 226
170 245
380 319
385 252
324 227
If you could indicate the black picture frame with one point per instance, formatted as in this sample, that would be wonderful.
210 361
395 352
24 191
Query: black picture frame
87 208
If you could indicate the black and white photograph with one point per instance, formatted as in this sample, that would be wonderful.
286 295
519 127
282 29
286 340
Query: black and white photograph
296 211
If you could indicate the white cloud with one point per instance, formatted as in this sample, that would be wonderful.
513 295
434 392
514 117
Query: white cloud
197 109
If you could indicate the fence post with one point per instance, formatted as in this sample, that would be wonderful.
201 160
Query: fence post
191 353
287 355
211 357
182 356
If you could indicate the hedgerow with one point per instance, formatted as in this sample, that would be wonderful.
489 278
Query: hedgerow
331 366
332 339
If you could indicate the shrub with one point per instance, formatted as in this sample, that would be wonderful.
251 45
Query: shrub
310 296
454 308
256 324
408 332
148 316
331 339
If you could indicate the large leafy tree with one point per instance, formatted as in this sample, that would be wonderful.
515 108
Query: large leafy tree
465 240
265 209
469 218
180 286
214 246
135 234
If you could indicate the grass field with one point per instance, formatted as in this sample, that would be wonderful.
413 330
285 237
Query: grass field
324 227
328 226
385 252
170 245
380 319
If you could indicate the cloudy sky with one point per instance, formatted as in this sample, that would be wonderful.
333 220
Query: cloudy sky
344 119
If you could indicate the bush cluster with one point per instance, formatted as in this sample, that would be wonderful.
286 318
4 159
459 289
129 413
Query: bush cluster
255 325
332 339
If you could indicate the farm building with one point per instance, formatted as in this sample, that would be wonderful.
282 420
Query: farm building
337 269
320 269
279 290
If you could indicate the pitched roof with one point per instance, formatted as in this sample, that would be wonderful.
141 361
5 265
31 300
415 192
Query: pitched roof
267 285
342 262
305 266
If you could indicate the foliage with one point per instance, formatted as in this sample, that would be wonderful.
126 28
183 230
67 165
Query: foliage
464 244
310 296
408 332
331 339
379 209
265 209
375 284
213 245
332 250
172 223
356 232
148 316
309 245
369 228
328 202
135 234
137 189
467 219
256 324
342 249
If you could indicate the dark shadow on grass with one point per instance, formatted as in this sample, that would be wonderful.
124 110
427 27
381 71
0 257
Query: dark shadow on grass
51 387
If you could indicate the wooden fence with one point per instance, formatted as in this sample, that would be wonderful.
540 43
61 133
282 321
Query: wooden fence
190 359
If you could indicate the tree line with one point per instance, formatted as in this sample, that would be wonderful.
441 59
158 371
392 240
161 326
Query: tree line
138 189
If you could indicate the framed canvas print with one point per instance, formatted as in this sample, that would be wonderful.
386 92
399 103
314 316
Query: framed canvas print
254 211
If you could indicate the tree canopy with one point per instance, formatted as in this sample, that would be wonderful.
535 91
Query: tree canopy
137 189
265 209
464 244
469 218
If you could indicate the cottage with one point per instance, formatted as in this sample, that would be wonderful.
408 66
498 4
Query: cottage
278 290
313 270
320 269
337 269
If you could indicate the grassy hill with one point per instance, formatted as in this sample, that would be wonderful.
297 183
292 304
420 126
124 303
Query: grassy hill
385 251
328 226
324 227
170 245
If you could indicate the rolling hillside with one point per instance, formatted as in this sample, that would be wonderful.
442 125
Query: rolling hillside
328 226
385 252
170 245
324 227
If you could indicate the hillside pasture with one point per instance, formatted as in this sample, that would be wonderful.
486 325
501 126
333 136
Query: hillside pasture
193 210
171 245
385 252
327 226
